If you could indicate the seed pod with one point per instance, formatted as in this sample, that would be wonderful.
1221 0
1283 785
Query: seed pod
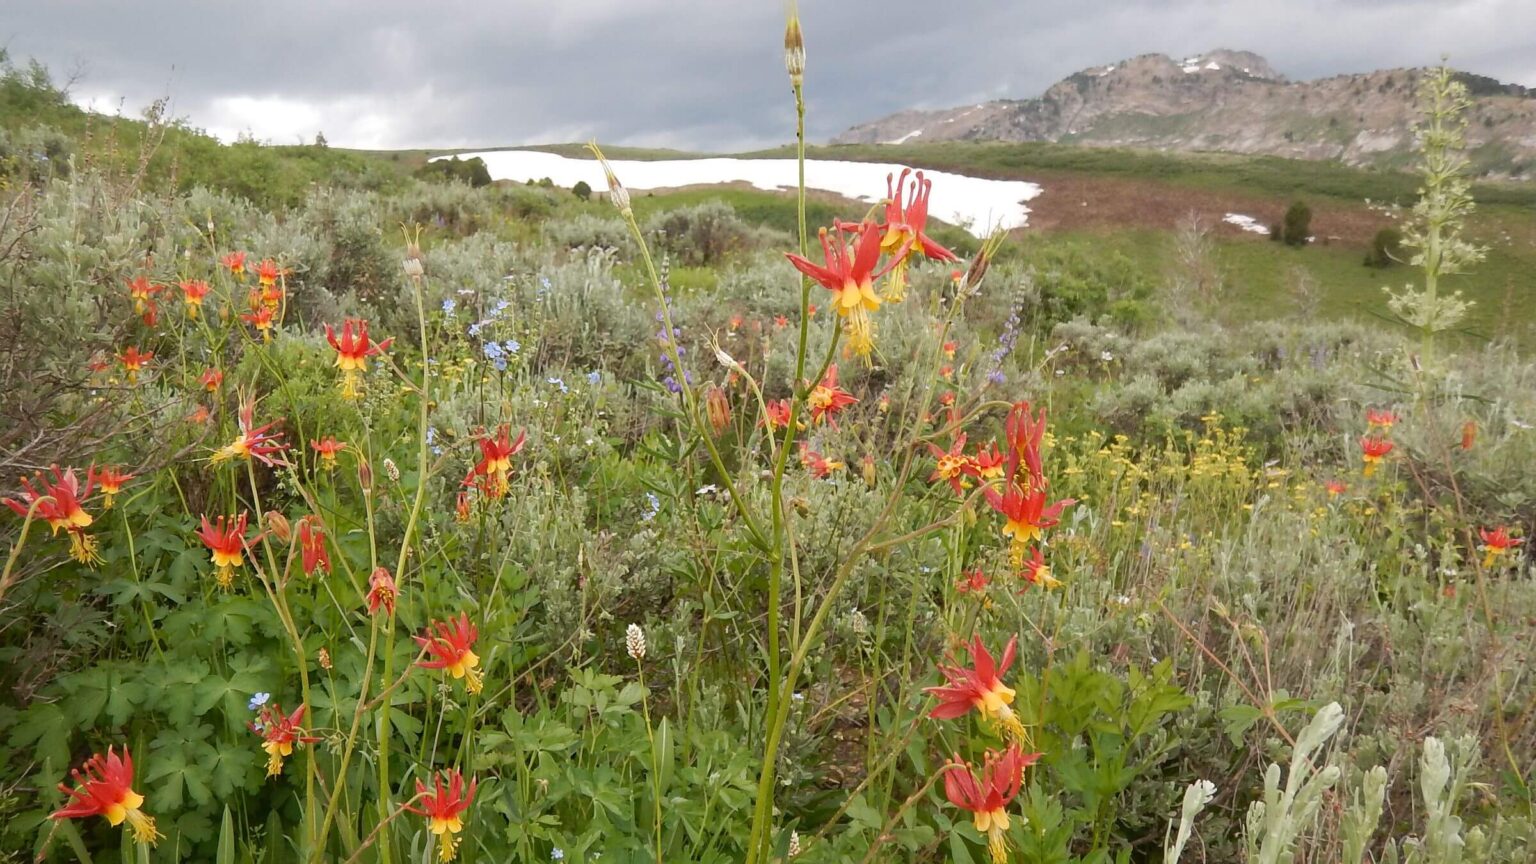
277 523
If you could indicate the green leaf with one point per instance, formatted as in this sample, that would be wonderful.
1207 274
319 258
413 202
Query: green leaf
664 755
46 728
1237 720
226 853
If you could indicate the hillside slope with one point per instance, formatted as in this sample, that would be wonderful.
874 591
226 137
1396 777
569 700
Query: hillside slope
1231 101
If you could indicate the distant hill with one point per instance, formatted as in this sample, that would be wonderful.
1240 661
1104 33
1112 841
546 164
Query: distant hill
1232 101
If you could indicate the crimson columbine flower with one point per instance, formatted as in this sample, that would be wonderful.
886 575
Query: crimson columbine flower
262 319
381 591
988 795
105 788
451 645
776 415
192 293
954 466
1023 499
353 349
1335 488
111 482
211 379
494 469
981 688
234 262
60 502
1380 418
226 546
444 809
253 441
827 400
850 275
973 582
267 273
143 292
988 462
1496 542
820 466
312 549
1372 451
134 361
279 733
1036 572
905 228
327 447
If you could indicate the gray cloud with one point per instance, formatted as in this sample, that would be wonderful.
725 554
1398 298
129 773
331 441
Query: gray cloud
692 74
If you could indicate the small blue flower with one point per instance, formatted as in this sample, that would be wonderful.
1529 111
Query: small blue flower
500 307
559 383
544 280
448 306
492 350
474 329
512 345
500 363
594 378
258 700
997 377
557 854
655 503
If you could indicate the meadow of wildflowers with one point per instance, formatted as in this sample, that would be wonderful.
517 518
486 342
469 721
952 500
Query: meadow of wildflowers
358 532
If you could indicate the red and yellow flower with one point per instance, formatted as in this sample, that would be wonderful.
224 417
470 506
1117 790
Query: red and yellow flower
850 275
981 688
988 794
263 320
280 733
776 414
312 549
905 234
111 482
327 447
211 379
820 466
1036 572
973 582
226 544
444 807
61 503
105 788
451 646
267 273
234 262
827 400
492 474
1022 502
143 293
953 465
134 361
192 293
1496 543
253 441
381 592
353 348
1372 451
1380 418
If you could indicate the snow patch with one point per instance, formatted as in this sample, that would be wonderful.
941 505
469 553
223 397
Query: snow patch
905 138
1246 223
1213 65
973 203
1105 71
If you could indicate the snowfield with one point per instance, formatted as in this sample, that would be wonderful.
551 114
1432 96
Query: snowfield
973 203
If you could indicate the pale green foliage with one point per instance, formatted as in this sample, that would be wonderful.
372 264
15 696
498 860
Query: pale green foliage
1196 796
1275 822
1435 226
1364 813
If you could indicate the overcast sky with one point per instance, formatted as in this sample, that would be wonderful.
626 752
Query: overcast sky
692 74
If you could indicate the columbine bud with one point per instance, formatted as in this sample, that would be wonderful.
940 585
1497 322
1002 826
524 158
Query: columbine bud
277 523
869 470
391 470
364 474
717 408
616 191
634 641
794 47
